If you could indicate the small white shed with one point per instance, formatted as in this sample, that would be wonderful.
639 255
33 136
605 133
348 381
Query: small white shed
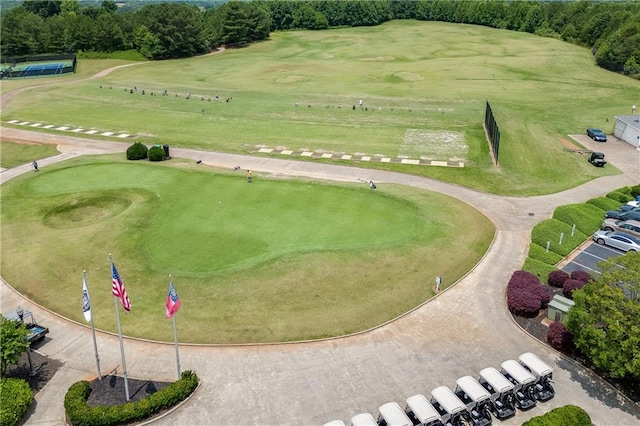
628 129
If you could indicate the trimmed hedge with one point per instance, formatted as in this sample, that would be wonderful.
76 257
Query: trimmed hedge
586 217
569 415
604 203
525 295
558 336
137 151
15 399
635 191
557 278
538 268
156 153
541 253
570 286
79 413
550 229
622 197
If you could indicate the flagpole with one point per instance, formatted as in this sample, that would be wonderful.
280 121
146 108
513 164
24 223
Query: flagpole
175 339
93 331
124 365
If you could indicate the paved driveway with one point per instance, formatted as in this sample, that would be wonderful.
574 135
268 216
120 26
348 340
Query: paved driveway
589 258
460 332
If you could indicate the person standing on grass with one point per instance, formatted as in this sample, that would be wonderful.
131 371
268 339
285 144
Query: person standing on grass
35 165
438 282
249 176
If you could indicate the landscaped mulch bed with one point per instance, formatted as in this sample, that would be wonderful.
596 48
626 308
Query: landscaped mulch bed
110 390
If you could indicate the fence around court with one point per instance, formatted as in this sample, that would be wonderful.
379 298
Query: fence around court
35 66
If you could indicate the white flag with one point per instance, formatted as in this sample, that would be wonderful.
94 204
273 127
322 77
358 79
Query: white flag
86 302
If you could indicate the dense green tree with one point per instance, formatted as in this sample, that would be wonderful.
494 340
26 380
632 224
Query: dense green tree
70 7
623 272
53 35
620 46
79 33
606 328
21 32
13 335
109 6
178 28
148 44
43 8
309 18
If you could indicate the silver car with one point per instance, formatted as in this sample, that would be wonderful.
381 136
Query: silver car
619 240
631 227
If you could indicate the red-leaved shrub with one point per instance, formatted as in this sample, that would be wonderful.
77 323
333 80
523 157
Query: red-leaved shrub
558 336
525 295
581 276
557 278
570 286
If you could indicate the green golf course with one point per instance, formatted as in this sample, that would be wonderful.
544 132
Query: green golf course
274 260
423 84
279 259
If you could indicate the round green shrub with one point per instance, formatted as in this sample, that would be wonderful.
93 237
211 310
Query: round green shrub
156 153
137 151
569 415
15 398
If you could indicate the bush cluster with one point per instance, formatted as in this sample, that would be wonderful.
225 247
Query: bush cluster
156 153
581 276
587 217
557 278
137 151
525 295
15 398
80 413
558 336
570 286
569 415
620 196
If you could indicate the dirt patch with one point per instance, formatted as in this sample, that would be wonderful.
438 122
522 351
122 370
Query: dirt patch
568 144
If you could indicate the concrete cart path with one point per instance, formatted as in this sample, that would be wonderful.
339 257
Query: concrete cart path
463 330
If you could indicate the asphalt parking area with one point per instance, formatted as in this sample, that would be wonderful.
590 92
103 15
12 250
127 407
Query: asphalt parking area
587 260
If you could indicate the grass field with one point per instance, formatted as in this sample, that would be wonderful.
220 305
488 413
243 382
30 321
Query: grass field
423 84
275 260
15 154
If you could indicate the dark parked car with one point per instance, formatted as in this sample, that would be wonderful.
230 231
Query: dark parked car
597 135
630 215
597 159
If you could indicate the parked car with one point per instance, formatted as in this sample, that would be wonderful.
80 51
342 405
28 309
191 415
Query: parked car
597 135
619 240
627 226
634 204
628 215
628 207
597 159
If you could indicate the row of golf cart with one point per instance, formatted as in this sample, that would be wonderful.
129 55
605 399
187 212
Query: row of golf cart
517 385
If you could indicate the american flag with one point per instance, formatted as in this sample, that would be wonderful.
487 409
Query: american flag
118 290
173 302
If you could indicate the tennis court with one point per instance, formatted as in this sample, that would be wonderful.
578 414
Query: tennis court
36 69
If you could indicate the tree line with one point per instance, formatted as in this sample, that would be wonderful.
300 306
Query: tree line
173 30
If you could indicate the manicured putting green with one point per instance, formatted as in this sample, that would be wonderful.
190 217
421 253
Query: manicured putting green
224 222
272 260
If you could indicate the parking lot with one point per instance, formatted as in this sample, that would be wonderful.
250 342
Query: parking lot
589 257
